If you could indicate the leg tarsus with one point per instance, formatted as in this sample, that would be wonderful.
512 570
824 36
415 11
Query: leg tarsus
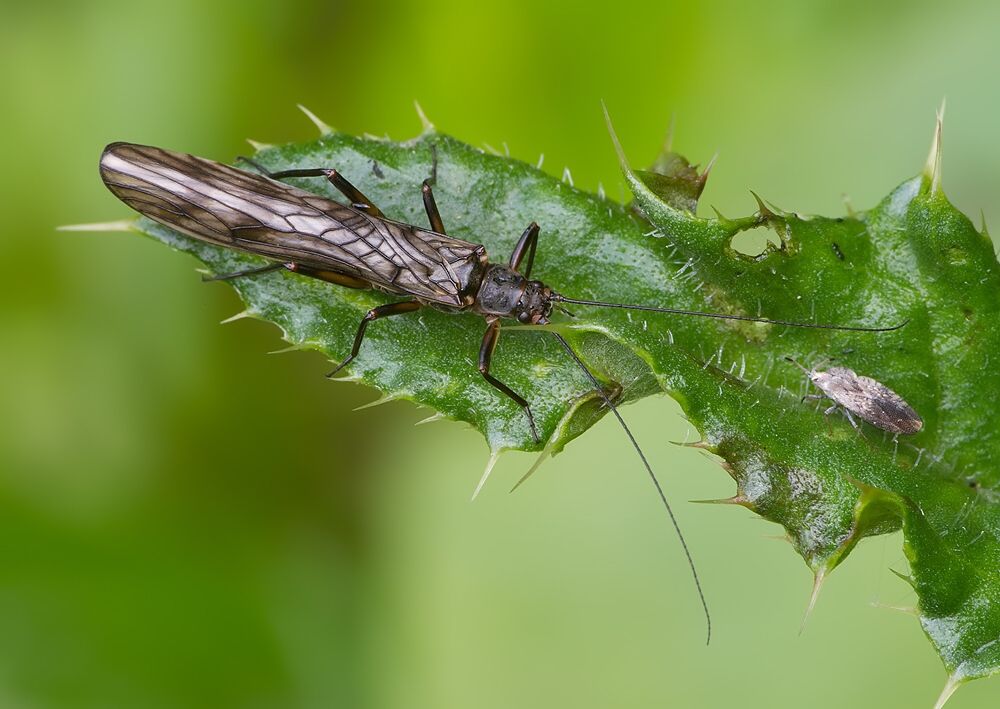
357 197
485 358
256 165
382 311
434 164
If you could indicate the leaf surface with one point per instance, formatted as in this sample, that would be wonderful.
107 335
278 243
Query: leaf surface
913 257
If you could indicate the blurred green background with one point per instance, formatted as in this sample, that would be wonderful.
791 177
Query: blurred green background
186 521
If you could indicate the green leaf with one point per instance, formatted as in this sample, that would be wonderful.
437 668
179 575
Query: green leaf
913 257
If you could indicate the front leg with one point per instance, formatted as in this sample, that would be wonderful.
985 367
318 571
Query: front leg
485 357
526 244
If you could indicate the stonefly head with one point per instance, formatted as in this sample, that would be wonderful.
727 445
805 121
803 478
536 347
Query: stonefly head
535 304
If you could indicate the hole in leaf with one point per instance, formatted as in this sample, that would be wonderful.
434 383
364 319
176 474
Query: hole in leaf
753 242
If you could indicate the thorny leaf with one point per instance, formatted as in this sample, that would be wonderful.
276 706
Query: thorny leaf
913 256
673 179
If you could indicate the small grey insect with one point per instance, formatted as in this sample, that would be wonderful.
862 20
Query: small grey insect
871 400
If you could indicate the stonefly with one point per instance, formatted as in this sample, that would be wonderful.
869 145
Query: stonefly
357 246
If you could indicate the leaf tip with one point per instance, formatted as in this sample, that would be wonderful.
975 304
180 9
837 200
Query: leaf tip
321 125
349 378
384 399
425 123
818 579
723 219
932 169
778 538
436 416
734 500
701 445
848 205
545 453
294 347
622 160
239 316
908 610
258 146
953 683
668 141
764 212
122 225
702 179
494 457
904 577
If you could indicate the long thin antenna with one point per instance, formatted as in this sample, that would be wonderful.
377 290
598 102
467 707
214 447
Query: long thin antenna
680 536
556 297
796 363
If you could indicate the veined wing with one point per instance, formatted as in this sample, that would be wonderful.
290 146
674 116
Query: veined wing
242 210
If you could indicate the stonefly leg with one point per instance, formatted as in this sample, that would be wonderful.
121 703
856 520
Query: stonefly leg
341 279
382 311
527 242
357 197
485 357
246 272
430 206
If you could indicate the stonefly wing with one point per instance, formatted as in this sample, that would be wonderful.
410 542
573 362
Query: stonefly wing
249 212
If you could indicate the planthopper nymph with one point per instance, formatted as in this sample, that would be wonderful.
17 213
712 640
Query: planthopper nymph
867 398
